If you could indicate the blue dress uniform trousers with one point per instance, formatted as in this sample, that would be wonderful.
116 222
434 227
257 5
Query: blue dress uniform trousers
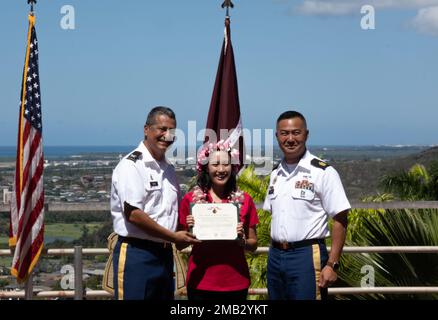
293 273
143 270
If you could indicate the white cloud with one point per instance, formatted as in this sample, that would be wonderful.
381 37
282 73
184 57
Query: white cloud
426 21
344 7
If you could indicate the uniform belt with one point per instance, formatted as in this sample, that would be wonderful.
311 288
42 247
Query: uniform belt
298 244
146 243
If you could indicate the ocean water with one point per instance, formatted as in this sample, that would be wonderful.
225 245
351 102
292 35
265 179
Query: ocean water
365 152
326 152
55 152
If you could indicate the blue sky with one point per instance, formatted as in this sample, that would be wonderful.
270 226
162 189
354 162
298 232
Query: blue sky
98 81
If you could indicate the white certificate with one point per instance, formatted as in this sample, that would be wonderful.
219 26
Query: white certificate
215 221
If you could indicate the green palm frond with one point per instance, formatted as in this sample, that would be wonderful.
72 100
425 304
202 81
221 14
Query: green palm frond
258 263
379 198
395 228
258 268
264 228
192 182
419 172
355 216
415 184
256 187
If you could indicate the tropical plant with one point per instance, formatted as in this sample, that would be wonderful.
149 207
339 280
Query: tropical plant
355 217
418 183
396 228
393 228
257 187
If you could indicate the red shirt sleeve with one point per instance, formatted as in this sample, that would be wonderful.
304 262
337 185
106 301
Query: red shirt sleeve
184 210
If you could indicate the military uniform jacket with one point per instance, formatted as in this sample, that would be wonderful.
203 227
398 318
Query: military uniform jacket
302 201
147 184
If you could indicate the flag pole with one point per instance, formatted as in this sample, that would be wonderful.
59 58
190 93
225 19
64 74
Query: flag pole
27 207
28 285
28 288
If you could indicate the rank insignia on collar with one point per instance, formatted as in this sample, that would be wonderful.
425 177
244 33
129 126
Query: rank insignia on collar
134 156
319 164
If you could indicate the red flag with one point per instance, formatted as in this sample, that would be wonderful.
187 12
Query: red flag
224 110
27 205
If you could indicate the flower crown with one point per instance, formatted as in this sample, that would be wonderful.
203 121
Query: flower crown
222 145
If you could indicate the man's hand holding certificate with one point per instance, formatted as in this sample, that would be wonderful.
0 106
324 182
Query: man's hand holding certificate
215 221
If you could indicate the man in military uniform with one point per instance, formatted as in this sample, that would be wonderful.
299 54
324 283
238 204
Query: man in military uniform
304 192
144 208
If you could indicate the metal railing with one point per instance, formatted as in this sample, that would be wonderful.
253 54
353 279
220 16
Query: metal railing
79 293
78 252
105 207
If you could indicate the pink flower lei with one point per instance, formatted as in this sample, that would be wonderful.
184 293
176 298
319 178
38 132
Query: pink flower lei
199 196
222 145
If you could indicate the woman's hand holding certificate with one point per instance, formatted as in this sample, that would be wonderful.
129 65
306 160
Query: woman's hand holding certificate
215 221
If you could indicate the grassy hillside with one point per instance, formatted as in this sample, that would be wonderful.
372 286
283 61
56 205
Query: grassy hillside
361 177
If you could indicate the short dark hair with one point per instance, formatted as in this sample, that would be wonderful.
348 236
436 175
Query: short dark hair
290 115
160 110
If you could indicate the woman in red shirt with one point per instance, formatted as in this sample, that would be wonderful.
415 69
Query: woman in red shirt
218 269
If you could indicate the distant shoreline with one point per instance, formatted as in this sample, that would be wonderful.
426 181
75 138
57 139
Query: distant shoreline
329 152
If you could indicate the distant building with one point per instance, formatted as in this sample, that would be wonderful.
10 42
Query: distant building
93 272
87 180
7 196
46 163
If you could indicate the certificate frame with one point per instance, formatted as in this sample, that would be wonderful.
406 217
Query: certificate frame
213 225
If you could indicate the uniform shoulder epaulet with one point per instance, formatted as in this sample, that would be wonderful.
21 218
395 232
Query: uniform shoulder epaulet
134 156
319 164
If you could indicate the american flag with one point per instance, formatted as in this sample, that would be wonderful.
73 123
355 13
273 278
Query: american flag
27 205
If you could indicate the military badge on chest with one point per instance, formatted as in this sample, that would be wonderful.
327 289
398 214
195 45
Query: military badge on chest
271 189
153 183
303 189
